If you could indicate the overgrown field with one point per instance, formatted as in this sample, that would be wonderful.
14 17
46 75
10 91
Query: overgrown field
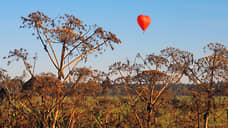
107 110
142 93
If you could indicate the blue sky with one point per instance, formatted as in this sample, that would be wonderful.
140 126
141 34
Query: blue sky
185 24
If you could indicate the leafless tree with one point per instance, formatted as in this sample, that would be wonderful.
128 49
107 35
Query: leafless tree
157 79
149 84
76 39
209 73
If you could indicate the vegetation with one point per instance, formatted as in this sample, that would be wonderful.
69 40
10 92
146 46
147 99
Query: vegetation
144 93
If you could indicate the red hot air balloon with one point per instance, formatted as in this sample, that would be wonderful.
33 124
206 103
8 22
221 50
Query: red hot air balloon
143 21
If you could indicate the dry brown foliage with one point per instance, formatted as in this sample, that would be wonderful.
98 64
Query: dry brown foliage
139 93
76 39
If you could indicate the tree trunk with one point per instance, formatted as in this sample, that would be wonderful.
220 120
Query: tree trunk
206 118
206 115
55 118
60 72
148 116
227 115
60 77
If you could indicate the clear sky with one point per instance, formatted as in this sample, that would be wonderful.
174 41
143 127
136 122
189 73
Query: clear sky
185 24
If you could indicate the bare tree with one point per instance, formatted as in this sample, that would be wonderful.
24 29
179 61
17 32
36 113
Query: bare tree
149 80
157 80
76 39
124 73
209 73
22 54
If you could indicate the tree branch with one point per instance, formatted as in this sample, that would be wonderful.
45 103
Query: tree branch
49 42
45 48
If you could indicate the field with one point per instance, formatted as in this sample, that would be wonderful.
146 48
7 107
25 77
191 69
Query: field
110 111
145 92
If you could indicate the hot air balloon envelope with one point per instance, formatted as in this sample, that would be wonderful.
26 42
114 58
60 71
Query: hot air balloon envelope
143 21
